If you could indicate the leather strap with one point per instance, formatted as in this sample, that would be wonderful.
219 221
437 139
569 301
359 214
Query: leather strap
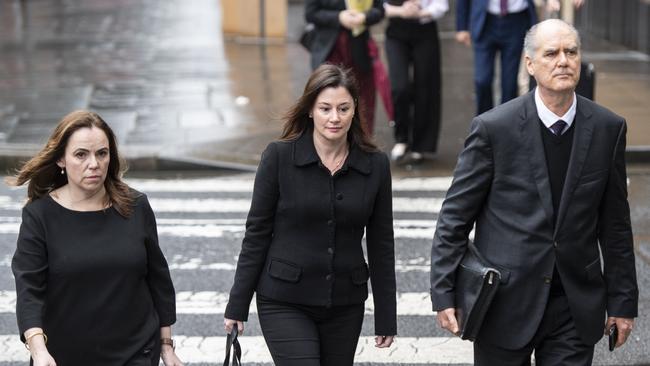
232 342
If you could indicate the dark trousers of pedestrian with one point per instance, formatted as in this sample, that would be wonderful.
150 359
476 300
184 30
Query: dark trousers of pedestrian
556 342
415 77
342 55
300 335
503 34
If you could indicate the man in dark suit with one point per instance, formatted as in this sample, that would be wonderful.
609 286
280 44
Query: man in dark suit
491 26
543 178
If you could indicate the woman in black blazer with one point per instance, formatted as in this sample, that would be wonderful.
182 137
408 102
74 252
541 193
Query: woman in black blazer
315 192
335 42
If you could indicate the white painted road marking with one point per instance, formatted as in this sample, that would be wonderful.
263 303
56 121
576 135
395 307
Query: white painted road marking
412 350
246 185
214 302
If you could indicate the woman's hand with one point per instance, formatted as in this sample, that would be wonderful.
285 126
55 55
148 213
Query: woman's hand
42 357
169 357
351 19
384 341
38 350
410 9
229 323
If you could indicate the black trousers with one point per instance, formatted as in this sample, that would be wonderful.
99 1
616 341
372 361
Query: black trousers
415 77
556 342
299 335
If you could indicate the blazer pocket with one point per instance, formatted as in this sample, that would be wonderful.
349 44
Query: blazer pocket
285 271
360 275
593 270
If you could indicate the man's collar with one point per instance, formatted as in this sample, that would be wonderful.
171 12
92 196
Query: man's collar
548 118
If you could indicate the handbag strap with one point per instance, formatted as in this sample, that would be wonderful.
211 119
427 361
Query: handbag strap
232 342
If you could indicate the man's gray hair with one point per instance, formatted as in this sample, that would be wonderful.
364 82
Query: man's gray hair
530 41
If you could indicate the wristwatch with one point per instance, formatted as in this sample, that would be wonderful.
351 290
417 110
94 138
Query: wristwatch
167 341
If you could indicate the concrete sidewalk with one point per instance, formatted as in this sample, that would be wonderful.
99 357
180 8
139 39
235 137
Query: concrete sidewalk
181 96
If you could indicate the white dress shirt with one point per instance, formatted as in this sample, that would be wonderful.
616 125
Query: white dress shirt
548 118
437 8
514 6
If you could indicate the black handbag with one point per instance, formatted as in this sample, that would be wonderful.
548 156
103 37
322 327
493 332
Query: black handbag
233 343
476 284
307 37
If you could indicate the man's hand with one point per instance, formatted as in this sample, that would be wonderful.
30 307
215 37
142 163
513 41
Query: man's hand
464 38
447 320
624 325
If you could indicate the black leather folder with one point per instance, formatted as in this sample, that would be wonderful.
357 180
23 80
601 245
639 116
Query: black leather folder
476 284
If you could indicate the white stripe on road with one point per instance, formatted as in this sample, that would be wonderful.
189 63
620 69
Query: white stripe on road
196 264
211 350
246 185
213 302
234 205
400 204
218 228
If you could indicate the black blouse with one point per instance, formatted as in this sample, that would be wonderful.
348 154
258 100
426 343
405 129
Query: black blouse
96 282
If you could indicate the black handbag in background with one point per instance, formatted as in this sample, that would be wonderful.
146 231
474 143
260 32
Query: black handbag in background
476 284
233 343
308 35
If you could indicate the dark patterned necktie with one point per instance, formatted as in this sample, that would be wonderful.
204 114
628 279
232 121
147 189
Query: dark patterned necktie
504 7
558 127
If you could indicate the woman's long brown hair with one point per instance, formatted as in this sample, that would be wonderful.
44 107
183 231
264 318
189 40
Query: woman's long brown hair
297 121
42 174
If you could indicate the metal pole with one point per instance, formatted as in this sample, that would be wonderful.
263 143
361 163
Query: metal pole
262 19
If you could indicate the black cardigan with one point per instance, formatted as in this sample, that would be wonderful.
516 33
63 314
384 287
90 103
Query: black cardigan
304 231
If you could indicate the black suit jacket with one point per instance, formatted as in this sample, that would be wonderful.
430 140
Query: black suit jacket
304 231
501 184
324 14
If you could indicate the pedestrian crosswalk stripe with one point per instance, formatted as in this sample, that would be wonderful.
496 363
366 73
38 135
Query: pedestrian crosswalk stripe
400 204
233 205
211 350
214 302
218 184
214 228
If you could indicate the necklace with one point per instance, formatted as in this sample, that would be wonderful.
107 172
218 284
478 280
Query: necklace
338 164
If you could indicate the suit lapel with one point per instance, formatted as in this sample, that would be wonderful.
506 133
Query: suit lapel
531 136
584 127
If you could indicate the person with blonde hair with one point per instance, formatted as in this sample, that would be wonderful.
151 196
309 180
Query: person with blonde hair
93 286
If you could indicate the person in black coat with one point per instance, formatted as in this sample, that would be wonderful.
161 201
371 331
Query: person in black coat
317 189
338 41
93 286
413 53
